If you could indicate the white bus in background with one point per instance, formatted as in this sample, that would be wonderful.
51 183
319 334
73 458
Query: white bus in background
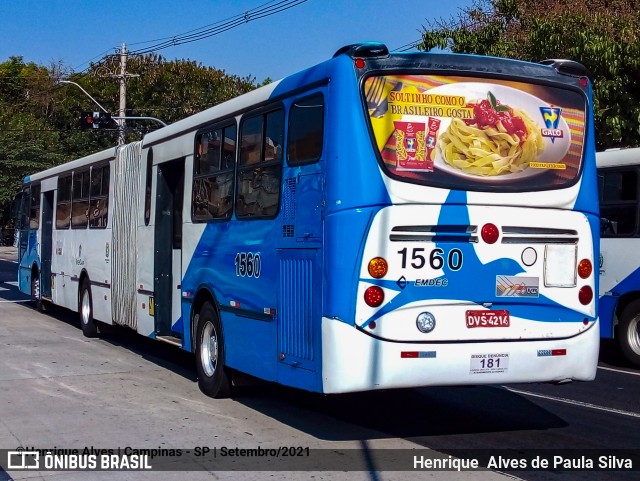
618 176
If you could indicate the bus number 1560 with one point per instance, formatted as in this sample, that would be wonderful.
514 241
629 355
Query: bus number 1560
248 264
418 258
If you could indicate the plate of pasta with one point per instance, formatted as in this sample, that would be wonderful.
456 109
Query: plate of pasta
499 137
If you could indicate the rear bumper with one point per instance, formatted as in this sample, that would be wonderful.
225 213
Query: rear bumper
354 361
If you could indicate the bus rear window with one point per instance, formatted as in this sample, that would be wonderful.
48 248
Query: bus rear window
476 134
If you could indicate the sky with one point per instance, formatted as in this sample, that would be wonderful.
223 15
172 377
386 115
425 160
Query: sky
76 32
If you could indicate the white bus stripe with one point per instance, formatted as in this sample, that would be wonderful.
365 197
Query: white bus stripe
576 403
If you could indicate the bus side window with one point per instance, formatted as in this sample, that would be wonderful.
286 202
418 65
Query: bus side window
214 162
80 200
63 203
34 210
619 202
147 190
99 197
260 169
306 130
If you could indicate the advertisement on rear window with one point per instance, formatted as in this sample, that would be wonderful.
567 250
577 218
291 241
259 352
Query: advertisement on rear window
450 131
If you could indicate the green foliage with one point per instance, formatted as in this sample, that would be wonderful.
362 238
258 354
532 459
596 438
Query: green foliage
603 35
39 118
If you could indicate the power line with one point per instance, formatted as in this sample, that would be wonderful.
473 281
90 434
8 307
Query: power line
408 46
91 60
263 11
199 28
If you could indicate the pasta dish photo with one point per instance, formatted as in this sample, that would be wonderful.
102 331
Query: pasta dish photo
498 140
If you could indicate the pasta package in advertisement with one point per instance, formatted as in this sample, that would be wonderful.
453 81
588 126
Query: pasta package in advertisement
411 147
476 132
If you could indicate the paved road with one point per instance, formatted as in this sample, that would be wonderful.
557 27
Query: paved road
58 388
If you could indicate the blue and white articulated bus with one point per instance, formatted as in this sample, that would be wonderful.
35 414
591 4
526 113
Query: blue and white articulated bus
619 304
376 221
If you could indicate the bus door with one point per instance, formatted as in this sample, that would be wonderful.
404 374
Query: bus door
300 292
27 241
20 209
24 224
46 243
168 248
300 256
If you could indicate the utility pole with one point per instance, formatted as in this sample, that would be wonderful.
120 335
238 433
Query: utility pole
123 76
119 72
122 123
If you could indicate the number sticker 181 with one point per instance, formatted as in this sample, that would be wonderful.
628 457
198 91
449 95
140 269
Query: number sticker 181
489 363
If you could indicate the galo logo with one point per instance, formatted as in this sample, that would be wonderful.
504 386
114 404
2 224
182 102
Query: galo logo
551 117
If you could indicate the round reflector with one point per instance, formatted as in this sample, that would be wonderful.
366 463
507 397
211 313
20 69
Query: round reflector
359 63
378 267
426 322
374 296
585 295
490 233
585 268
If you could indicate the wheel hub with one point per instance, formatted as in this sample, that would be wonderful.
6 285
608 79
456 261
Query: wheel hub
209 354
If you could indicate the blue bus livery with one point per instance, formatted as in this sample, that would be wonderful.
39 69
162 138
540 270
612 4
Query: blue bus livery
376 221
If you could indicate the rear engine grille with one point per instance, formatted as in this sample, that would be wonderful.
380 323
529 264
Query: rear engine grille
434 233
538 235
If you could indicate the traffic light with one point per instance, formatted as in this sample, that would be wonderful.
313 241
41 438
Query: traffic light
95 120
86 120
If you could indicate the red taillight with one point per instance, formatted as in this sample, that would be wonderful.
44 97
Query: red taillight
490 233
373 296
585 295
359 63
585 268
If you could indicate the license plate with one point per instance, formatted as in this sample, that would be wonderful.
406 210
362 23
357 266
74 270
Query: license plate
485 318
489 363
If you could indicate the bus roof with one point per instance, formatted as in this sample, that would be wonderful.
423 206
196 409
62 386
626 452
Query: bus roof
224 109
104 155
618 157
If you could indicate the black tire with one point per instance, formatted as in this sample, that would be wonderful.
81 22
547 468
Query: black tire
628 333
213 376
85 311
36 293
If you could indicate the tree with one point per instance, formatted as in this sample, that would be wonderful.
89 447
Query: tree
39 118
27 143
168 90
603 35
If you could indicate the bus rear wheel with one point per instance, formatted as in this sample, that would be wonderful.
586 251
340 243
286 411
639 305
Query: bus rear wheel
213 378
36 295
85 311
628 334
